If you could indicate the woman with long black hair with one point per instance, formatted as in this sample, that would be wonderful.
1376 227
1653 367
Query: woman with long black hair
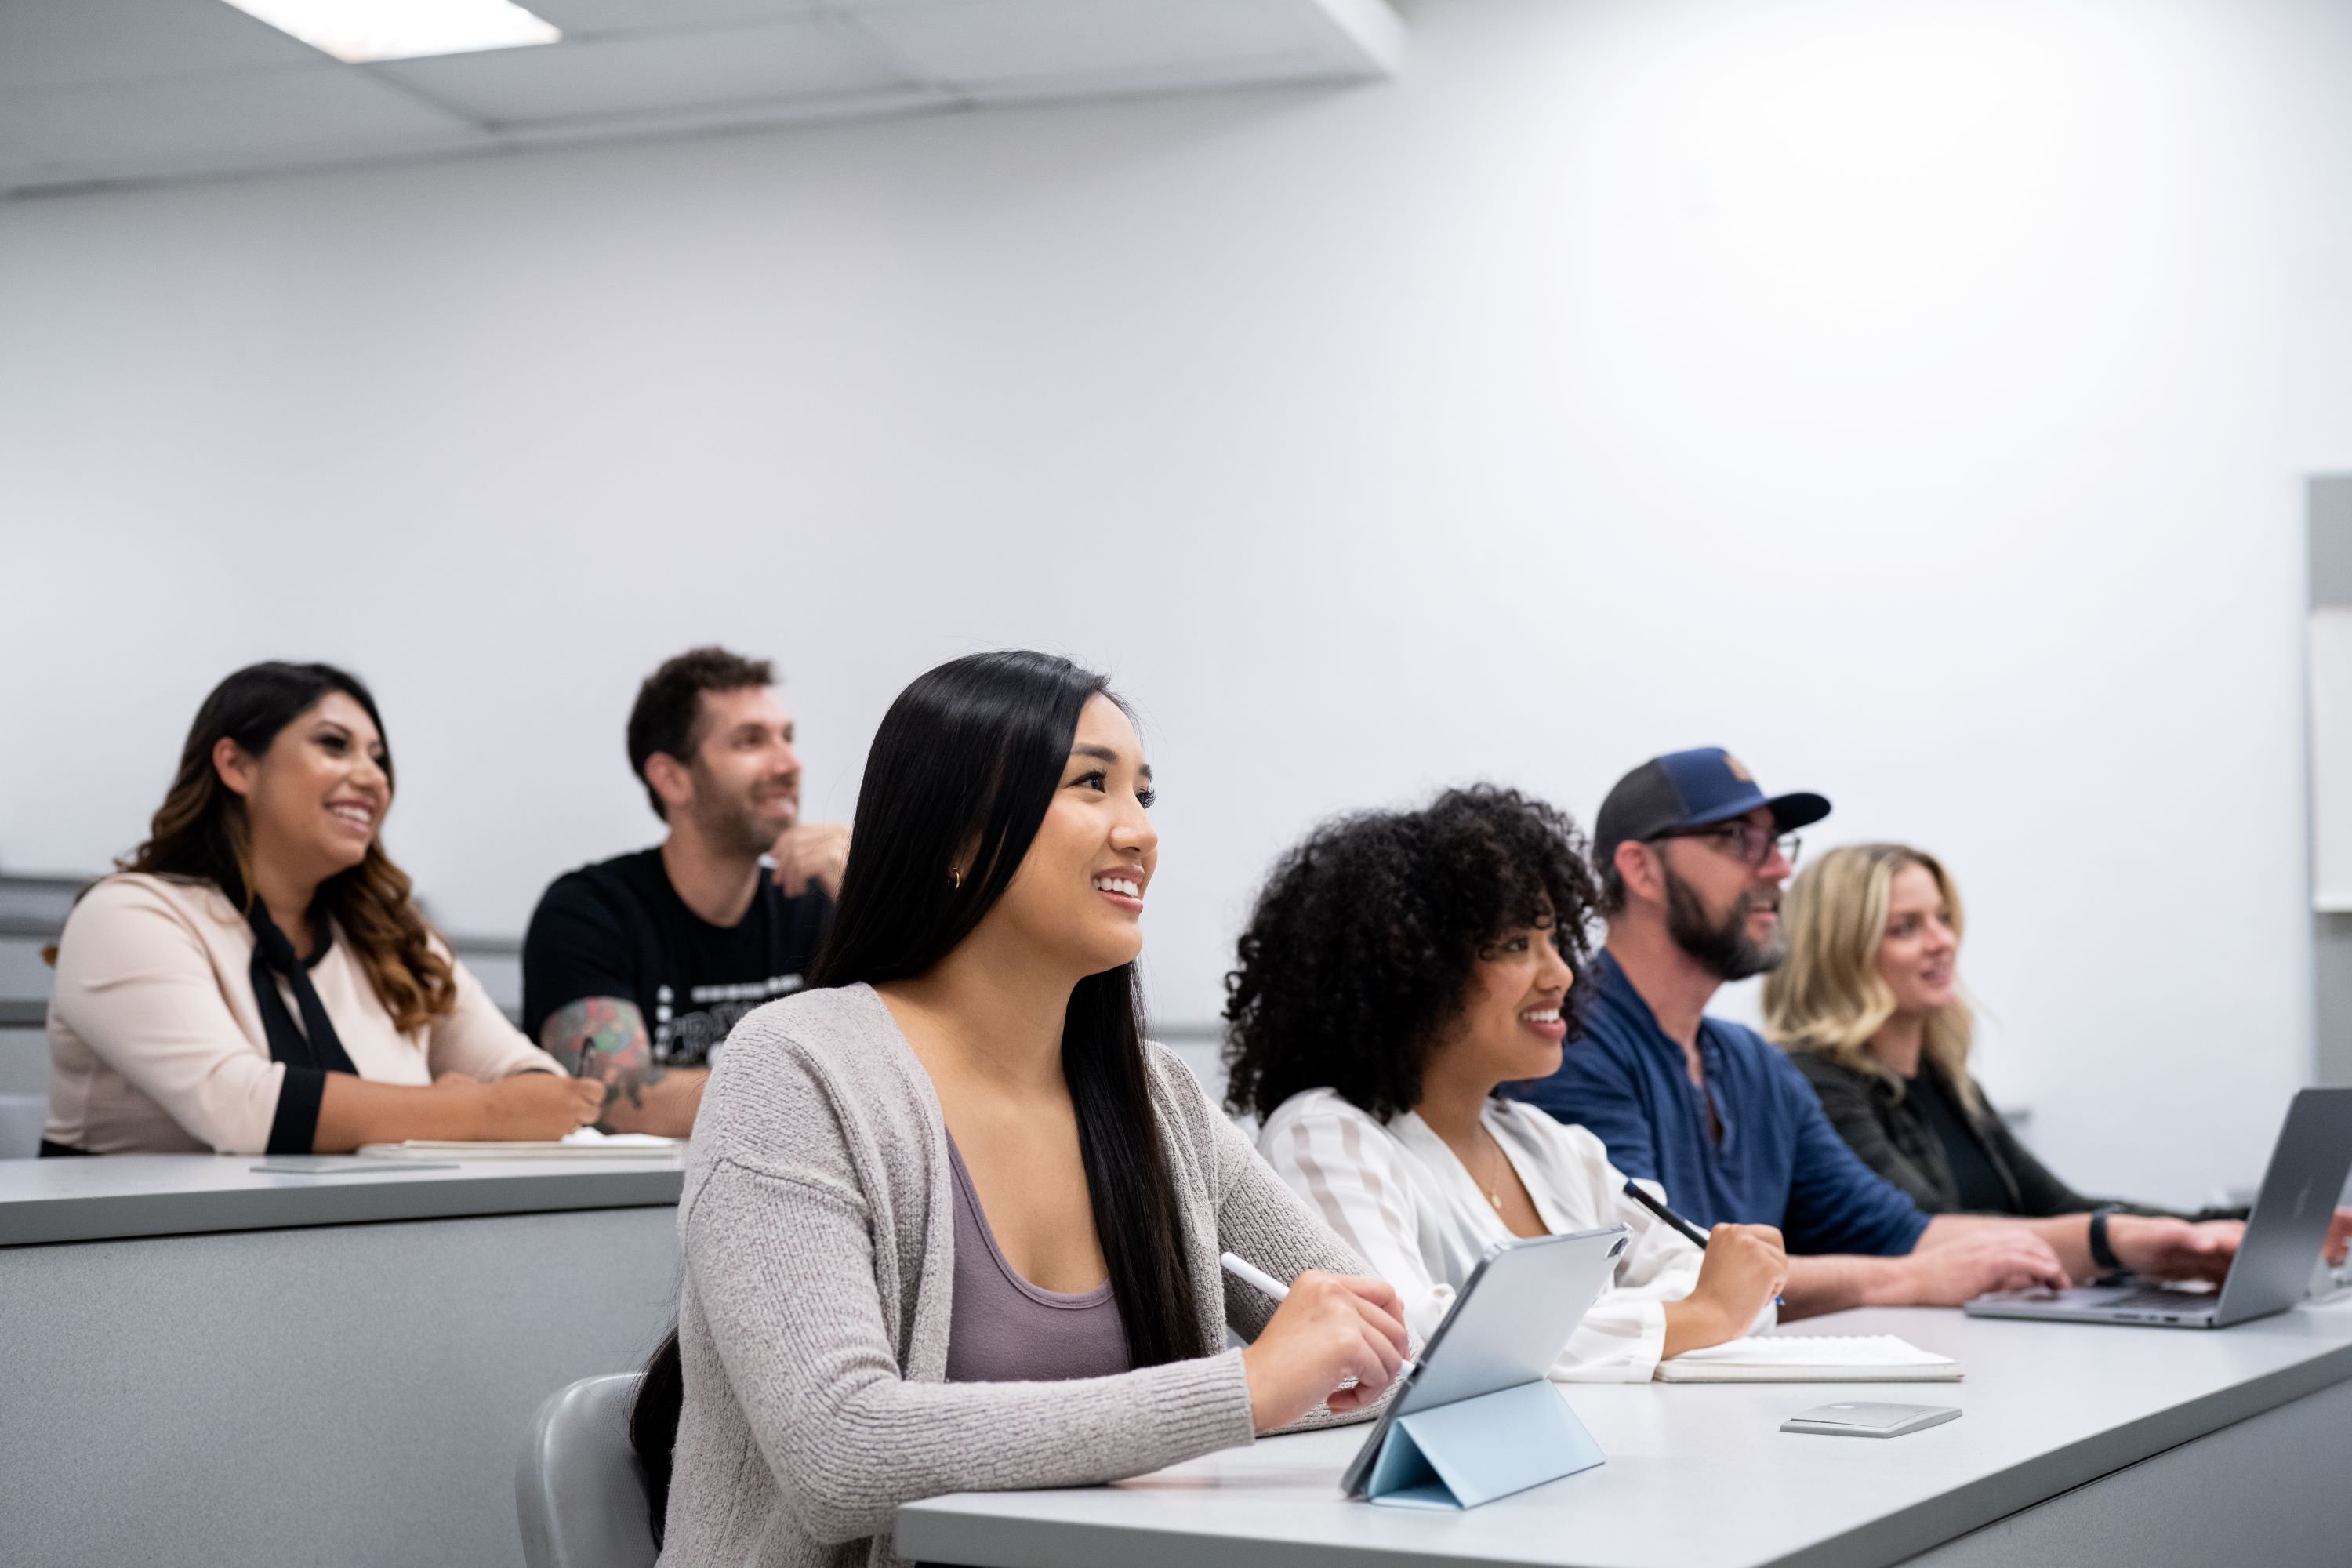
948 1222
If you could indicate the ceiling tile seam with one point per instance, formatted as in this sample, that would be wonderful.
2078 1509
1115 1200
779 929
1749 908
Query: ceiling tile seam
713 113
778 22
783 115
1291 67
895 59
465 117
229 171
84 85
509 145
1297 68
137 171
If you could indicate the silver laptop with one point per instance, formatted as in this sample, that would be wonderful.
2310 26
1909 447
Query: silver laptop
1505 1328
2272 1268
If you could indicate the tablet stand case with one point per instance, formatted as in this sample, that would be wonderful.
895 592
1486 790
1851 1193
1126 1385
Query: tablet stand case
1473 1451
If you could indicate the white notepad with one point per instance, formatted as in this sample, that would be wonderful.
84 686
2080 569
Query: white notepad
585 1143
1811 1358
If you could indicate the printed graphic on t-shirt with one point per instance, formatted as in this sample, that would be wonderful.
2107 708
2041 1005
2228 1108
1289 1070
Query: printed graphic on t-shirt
694 1036
618 929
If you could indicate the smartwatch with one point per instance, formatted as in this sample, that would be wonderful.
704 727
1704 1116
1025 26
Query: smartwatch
2103 1255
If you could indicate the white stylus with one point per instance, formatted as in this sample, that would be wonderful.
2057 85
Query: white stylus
1249 1273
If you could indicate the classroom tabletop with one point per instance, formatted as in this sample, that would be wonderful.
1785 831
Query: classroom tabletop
120 1195
1699 1476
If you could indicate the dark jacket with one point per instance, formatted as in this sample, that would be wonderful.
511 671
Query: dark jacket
1880 1123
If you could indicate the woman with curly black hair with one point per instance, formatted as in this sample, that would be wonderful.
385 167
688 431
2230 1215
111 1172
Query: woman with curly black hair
1399 968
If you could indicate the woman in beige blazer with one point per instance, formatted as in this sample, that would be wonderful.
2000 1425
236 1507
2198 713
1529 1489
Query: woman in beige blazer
257 979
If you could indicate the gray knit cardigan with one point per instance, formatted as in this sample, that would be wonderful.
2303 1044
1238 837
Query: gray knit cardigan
818 1233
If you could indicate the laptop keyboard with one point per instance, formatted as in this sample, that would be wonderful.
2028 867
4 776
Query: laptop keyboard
2157 1295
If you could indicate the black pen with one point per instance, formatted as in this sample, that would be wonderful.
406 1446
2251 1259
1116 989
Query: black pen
1635 1191
1696 1236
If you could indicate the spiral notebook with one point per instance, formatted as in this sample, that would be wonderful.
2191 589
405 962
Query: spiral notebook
1810 1358
586 1143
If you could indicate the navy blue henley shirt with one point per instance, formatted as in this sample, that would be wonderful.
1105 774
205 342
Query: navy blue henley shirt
1781 1163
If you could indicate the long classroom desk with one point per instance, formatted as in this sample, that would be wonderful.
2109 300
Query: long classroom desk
208 1365
2081 1445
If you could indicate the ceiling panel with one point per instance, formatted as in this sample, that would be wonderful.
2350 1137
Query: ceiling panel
255 112
810 58
582 16
31 170
94 92
55 43
1016 39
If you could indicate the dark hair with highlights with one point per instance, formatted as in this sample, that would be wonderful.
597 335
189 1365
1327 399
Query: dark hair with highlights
1360 950
200 834
961 774
668 714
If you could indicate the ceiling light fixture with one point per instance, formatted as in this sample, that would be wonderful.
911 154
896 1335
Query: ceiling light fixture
357 30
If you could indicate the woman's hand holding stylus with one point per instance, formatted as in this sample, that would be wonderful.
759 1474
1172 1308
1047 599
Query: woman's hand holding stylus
1330 1327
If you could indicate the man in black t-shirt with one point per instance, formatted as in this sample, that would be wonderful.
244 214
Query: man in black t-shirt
635 969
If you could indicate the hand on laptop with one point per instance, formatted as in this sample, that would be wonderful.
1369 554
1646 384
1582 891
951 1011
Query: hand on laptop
2339 1238
2174 1249
1980 1260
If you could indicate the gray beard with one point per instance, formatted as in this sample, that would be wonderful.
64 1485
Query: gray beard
1725 949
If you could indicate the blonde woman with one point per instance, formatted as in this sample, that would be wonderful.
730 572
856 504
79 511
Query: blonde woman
1868 1004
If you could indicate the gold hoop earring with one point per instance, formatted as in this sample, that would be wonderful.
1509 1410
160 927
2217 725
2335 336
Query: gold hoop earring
955 878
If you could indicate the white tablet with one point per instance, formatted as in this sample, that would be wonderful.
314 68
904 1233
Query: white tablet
1506 1327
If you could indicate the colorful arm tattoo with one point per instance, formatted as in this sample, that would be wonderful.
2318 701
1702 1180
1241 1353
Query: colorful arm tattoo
604 1037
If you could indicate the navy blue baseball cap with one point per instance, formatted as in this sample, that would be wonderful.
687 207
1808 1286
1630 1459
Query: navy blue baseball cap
1691 789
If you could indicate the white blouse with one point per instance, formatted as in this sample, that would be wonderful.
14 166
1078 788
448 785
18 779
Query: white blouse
1399 1196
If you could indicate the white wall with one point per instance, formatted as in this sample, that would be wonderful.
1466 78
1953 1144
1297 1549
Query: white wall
1911 397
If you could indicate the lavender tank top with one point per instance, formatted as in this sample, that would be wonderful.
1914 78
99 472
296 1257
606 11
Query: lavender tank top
1002 1328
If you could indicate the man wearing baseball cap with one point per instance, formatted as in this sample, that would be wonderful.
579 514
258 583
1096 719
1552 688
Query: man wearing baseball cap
1692 853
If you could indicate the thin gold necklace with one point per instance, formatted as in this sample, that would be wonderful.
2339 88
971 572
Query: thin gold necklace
1463 1160
1493 1197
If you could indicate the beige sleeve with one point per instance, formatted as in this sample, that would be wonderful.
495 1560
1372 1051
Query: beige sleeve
475 1039
135 983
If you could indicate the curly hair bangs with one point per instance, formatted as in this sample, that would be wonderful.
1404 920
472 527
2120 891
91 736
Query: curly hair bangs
1360 948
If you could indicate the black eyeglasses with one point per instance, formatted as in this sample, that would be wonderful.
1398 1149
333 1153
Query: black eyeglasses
1749 843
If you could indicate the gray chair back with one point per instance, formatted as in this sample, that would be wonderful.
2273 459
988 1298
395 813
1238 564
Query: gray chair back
579 1490
22 1117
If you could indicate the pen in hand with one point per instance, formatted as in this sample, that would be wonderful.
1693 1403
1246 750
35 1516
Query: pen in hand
1690 1232
1639 1194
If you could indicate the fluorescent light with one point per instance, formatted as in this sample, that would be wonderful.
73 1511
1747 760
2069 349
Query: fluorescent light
356 30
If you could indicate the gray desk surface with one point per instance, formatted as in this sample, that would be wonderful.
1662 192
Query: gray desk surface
44 1201
1699 1476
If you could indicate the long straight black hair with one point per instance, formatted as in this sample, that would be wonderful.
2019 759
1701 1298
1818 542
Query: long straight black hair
963 767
